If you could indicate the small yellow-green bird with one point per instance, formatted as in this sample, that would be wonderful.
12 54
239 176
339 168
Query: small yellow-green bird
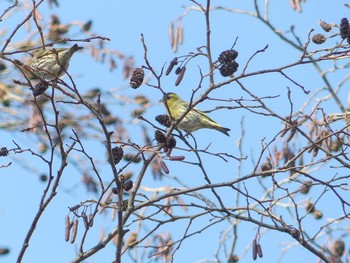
194 119
51 64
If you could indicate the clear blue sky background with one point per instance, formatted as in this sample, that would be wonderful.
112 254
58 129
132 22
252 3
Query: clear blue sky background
123 22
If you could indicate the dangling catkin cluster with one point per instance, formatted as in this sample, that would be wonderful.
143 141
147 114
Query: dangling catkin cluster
228 63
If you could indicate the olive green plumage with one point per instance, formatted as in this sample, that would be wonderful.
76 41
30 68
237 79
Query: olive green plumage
194 119
50 64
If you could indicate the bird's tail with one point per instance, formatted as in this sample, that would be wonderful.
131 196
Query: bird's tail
222 129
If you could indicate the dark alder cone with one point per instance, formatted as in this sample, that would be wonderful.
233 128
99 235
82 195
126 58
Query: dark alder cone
2 66
318 39
128 185
125 205
317 214
164 120
266 166
336 145
228 68
305 188
40 88
172 64
227 56
137 78
344 28
232 258
339 247
160 136
115 190
43 177
295 233
171 142
4 251
117 154
4 151
310 207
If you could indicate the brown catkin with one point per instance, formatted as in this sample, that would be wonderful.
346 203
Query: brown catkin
67 228
180 76
254 249
74 231
164 167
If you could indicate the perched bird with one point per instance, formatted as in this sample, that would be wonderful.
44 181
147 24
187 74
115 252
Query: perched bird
51 64
194 119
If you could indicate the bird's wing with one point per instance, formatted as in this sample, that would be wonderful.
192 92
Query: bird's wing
204 115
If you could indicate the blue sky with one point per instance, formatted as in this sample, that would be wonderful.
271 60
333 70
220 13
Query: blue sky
123 22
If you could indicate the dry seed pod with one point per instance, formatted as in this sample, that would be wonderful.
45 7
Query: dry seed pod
132 158
112 64
142 100
87 25
74 231
180 76
254 248
259 250
309 207
336 145
67 228
132 240
325 26
177 158
164 167
73 208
